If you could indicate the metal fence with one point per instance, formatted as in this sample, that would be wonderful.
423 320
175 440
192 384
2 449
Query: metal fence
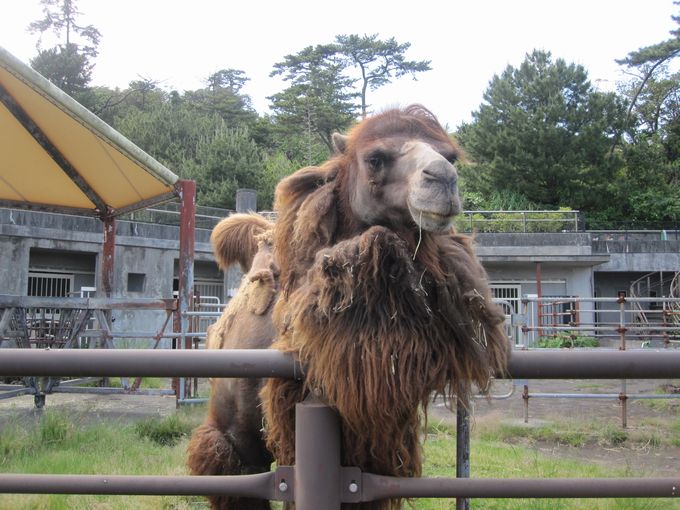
469 221
318 432
35 322
617 320
620 323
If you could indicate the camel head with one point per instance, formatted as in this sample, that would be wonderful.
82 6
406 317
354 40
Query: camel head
401 166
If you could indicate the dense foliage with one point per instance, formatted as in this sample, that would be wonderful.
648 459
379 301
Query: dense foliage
543 138
544 133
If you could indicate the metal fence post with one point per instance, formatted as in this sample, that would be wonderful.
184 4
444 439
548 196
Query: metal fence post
186 190
462 444
623 398
317 457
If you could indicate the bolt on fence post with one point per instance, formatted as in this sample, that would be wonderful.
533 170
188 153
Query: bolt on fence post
317 457
462 444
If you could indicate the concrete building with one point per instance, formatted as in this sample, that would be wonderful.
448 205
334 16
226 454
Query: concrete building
54 254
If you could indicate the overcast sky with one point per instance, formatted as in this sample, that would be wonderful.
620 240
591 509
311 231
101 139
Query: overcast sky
180 43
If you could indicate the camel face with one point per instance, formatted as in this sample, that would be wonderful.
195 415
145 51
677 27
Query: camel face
407 181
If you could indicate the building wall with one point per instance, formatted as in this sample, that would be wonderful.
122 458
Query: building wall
14 253
55 242
572 264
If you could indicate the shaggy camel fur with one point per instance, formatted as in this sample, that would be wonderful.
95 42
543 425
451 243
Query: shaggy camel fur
378 297
229 442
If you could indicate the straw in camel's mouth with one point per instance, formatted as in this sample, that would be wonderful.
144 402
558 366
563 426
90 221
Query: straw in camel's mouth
431 221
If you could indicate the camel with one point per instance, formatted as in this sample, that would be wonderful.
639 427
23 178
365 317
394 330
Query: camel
375 294
229 442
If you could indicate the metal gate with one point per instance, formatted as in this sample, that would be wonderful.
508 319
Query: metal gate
508 297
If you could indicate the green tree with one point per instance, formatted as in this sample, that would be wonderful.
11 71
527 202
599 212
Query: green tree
543 132
377 61
649 61
275 167
232 79
69 63
227 159
170 132
60 17
319 100
648 188
223 97
65 67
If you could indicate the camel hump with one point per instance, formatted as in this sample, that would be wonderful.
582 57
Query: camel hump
235 239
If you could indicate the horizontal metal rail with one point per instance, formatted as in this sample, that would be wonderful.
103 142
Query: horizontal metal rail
534 364
548 299
148 363
634 396
548 364
371 487
10 301
259 485
380 487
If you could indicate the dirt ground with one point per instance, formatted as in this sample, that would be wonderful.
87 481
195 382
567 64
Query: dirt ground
641 459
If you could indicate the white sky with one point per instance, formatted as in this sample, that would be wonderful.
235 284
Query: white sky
180 43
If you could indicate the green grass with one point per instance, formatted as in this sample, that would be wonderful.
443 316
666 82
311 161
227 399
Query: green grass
675 433
148 383
651 432
61 443
492 459
166 432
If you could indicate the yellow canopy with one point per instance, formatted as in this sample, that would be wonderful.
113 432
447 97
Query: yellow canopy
57 155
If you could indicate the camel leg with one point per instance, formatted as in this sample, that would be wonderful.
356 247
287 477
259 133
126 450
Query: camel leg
230 442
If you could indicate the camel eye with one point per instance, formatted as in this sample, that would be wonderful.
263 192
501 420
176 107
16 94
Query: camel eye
451 158
377 160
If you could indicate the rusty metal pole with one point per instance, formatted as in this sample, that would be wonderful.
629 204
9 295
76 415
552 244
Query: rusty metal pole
623 398
525 398
106 274
317 457
106 268
539 296
186 190
665 323
462 444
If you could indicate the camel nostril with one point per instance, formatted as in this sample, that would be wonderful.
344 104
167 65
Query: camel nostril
430 175
440 171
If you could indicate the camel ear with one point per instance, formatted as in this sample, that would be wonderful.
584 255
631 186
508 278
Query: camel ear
339 143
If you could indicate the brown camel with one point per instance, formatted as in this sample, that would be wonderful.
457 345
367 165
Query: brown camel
229 442
377 296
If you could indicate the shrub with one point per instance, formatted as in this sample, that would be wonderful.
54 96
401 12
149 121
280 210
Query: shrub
167 431
564 340
613 436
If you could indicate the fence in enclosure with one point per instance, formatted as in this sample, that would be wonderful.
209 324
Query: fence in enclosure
599 324
318 433
36 322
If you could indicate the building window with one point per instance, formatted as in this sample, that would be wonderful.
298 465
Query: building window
135 282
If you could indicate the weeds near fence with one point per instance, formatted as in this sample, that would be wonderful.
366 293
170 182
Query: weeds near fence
492 457
167 431
607 435
157 446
